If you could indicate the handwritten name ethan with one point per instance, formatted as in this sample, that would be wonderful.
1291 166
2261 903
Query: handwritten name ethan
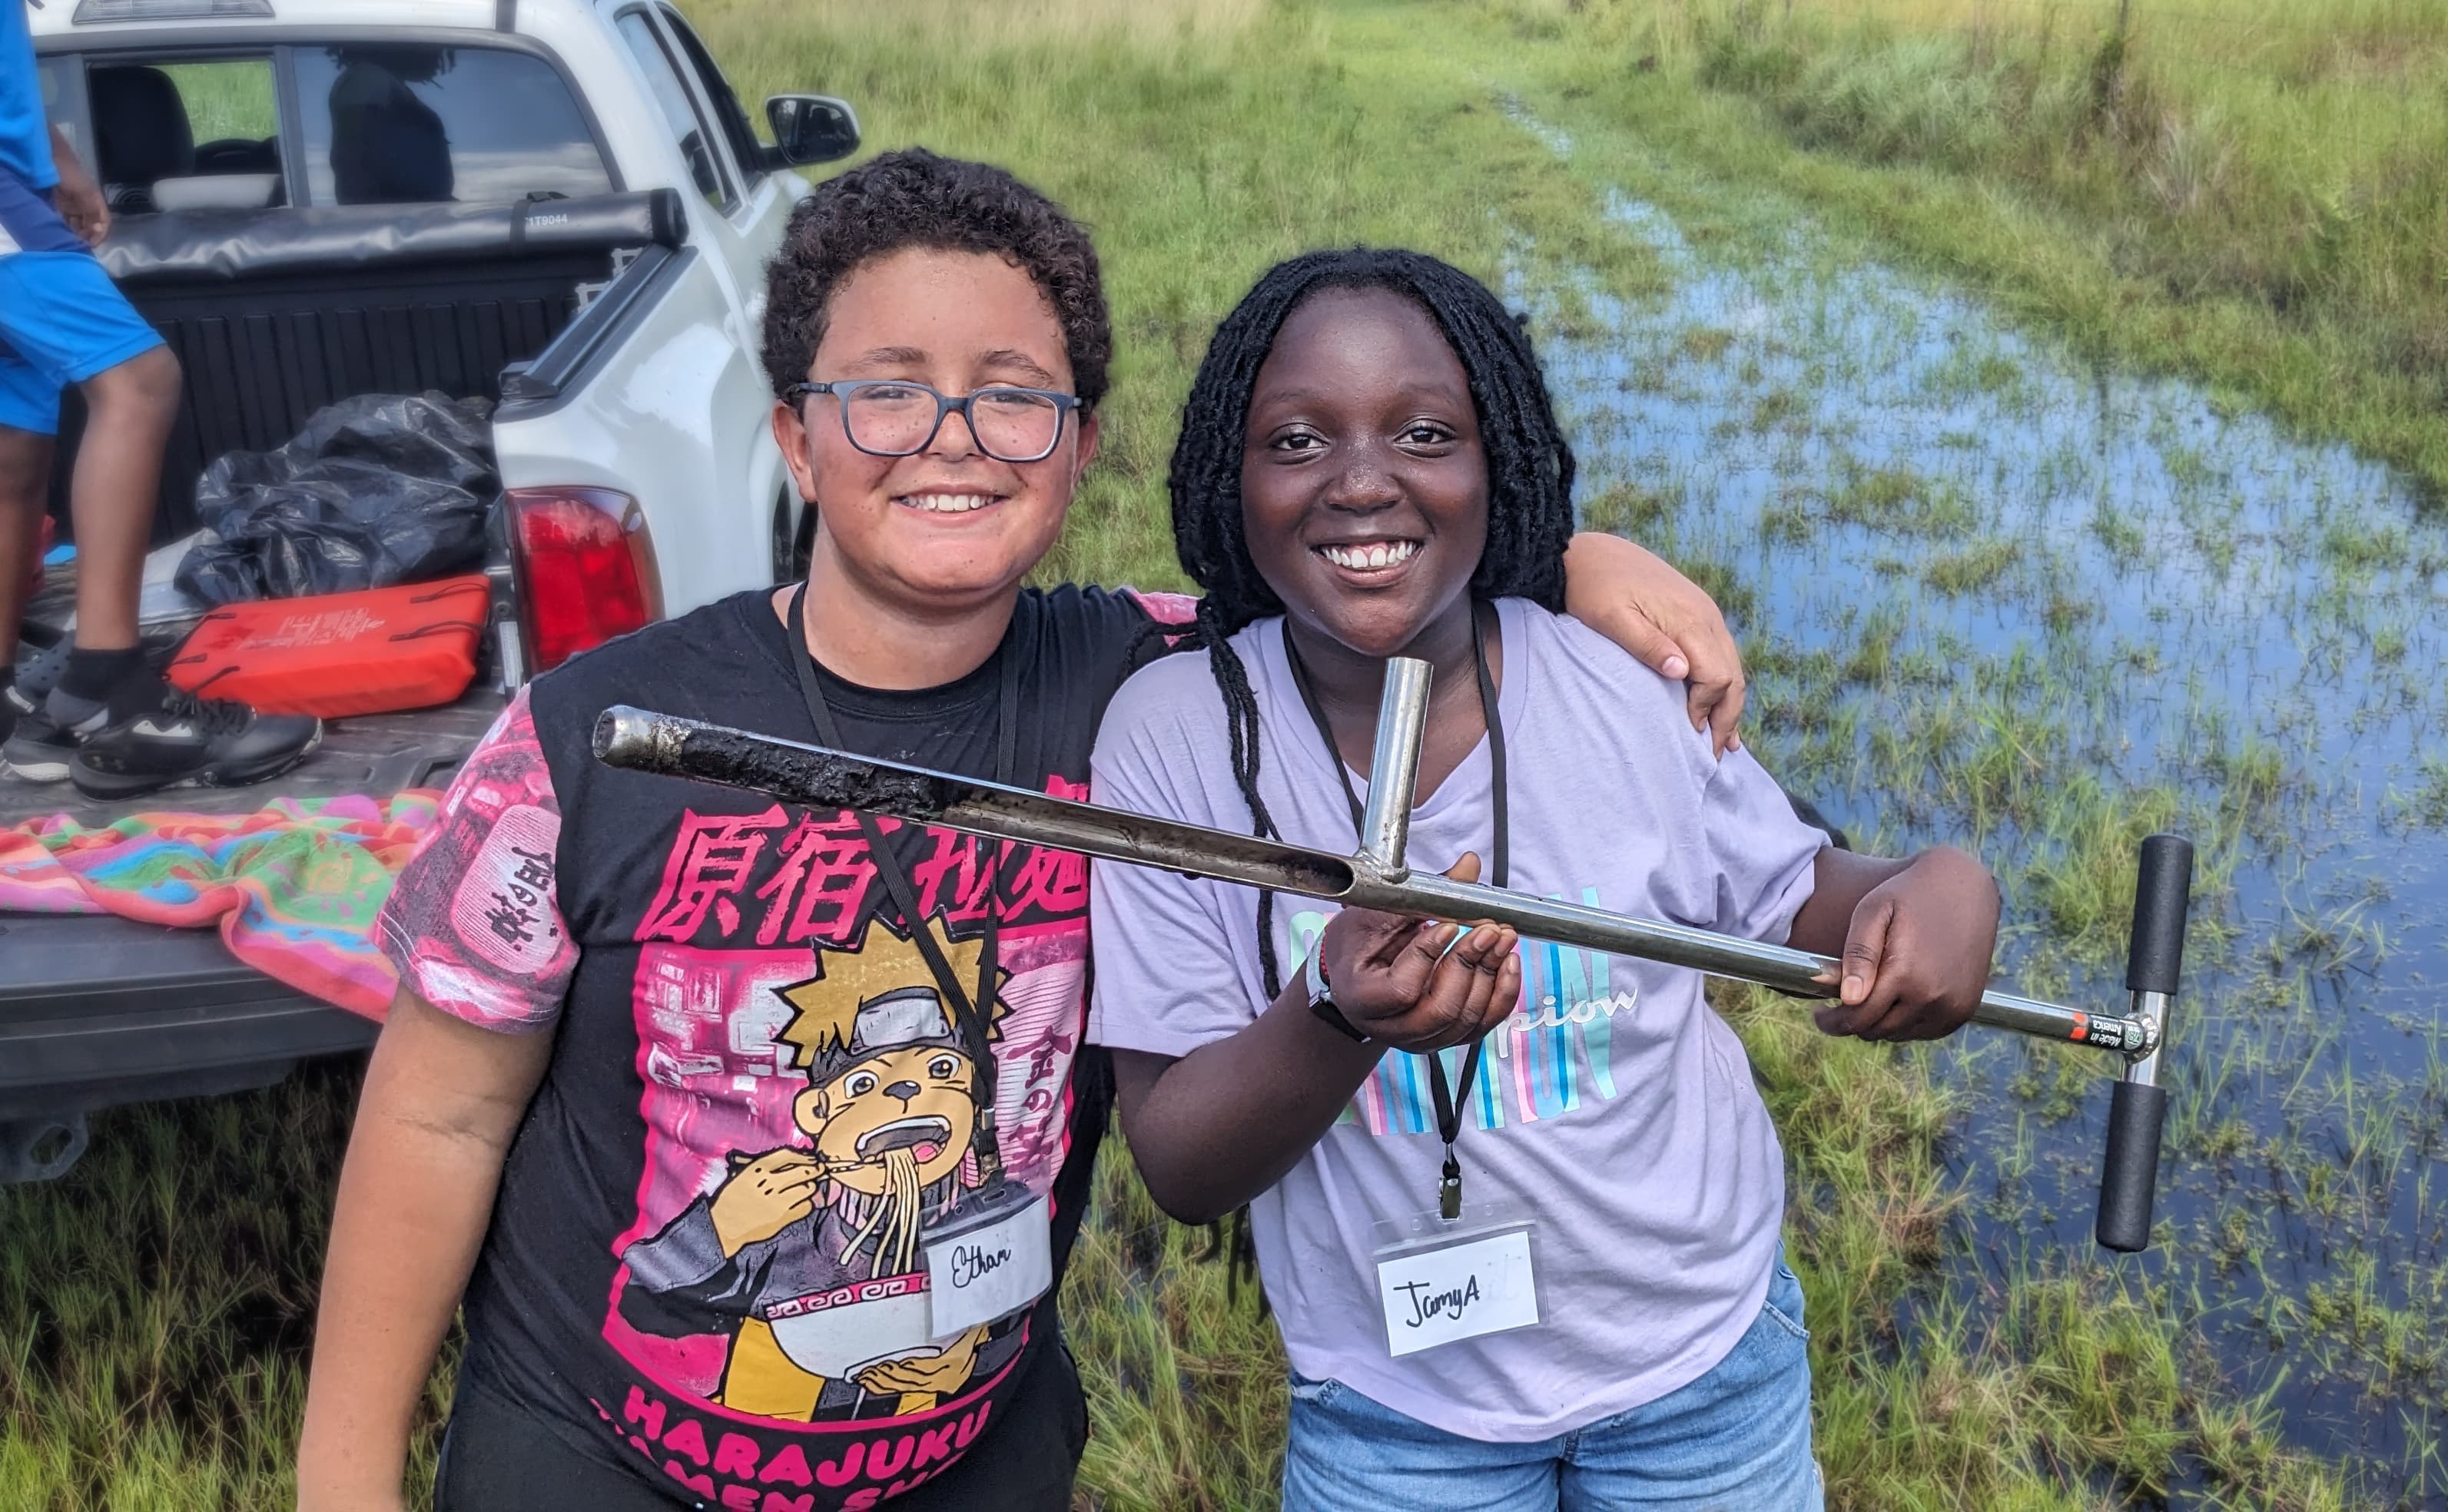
1446 1304
972 1262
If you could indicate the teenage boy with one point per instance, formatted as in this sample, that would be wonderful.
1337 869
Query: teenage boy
714 1109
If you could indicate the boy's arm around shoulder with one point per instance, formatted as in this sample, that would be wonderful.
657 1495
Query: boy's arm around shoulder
442 1100
1634 599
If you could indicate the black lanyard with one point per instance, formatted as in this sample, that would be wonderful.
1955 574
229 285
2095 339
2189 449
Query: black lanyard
971 1014
1449 1101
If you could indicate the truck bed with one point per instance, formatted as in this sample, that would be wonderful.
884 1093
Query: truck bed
372 754
97 1010
274 315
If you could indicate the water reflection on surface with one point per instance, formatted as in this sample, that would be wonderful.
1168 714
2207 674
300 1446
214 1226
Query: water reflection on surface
1999 595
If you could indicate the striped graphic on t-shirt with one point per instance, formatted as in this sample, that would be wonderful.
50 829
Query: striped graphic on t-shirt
1555 1051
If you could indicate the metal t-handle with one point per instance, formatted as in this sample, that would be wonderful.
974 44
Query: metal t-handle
2129 1176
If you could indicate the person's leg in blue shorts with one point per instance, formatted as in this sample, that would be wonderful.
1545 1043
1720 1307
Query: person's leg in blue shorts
111 722
62 322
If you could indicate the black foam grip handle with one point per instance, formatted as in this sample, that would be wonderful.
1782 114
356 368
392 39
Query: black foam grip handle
2128 1184
2155 956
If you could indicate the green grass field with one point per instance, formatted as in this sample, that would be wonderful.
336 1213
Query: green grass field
2264 217
2183 190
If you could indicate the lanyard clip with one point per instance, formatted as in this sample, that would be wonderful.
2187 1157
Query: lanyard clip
1450 1189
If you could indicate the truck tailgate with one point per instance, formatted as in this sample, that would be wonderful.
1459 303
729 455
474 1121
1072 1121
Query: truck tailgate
97 1010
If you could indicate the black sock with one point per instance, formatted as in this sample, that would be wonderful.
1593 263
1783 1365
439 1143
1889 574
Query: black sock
141 694
94 676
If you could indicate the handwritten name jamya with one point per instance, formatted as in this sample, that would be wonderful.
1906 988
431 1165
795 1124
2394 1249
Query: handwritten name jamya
1446 1304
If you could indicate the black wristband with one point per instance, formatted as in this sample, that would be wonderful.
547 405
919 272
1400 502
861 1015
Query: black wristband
1333 1017
1322 1003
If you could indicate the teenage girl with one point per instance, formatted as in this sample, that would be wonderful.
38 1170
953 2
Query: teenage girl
1369 466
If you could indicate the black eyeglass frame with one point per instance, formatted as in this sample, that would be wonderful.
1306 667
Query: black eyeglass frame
796 396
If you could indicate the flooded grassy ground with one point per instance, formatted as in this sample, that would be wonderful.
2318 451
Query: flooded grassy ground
2000 590
2001 596
1999 585
2253 192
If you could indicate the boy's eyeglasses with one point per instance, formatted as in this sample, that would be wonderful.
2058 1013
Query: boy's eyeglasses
894 418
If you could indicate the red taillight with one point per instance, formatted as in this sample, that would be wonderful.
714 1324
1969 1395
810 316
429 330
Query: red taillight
585 569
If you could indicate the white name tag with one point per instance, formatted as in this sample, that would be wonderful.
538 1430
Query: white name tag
990 1268
1435 1296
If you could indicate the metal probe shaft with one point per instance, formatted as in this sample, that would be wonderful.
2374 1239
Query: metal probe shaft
821 778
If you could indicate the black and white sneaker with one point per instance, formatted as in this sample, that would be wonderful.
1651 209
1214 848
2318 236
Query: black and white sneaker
39 748
192 742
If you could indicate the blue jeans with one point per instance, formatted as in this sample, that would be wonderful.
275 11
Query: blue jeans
1738 1439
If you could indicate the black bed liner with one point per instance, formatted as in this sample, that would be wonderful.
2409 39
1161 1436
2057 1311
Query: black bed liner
275 313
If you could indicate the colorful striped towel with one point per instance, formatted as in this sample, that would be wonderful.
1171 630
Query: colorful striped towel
294 886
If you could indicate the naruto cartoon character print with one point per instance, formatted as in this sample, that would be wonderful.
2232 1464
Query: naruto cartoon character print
810 1257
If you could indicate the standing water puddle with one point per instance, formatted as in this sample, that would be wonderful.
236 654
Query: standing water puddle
1997 595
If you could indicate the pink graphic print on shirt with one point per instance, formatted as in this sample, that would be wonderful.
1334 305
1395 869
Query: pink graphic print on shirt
807 1097
474 923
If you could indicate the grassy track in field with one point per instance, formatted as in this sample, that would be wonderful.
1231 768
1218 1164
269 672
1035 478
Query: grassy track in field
2250 192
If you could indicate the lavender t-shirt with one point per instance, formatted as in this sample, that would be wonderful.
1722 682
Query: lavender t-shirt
1615 1107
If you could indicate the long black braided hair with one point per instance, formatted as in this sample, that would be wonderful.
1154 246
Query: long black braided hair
1529 471
1529 492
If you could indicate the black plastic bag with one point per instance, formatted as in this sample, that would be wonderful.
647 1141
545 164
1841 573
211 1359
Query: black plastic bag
378 489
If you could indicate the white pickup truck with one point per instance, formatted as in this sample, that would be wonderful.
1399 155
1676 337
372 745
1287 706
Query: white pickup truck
560 205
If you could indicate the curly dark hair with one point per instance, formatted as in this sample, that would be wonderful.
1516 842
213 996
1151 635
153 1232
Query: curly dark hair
915 199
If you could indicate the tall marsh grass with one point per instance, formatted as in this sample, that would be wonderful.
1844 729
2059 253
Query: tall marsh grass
2287 155
965 26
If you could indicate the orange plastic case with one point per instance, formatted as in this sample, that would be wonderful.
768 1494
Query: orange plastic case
339 654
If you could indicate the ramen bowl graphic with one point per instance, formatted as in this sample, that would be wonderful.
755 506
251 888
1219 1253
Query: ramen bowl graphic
838 1332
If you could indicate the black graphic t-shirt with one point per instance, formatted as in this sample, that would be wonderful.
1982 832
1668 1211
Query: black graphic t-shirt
704 1262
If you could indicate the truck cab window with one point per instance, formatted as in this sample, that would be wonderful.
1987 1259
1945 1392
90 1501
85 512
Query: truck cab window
736 128
186 136
399 123
680 112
